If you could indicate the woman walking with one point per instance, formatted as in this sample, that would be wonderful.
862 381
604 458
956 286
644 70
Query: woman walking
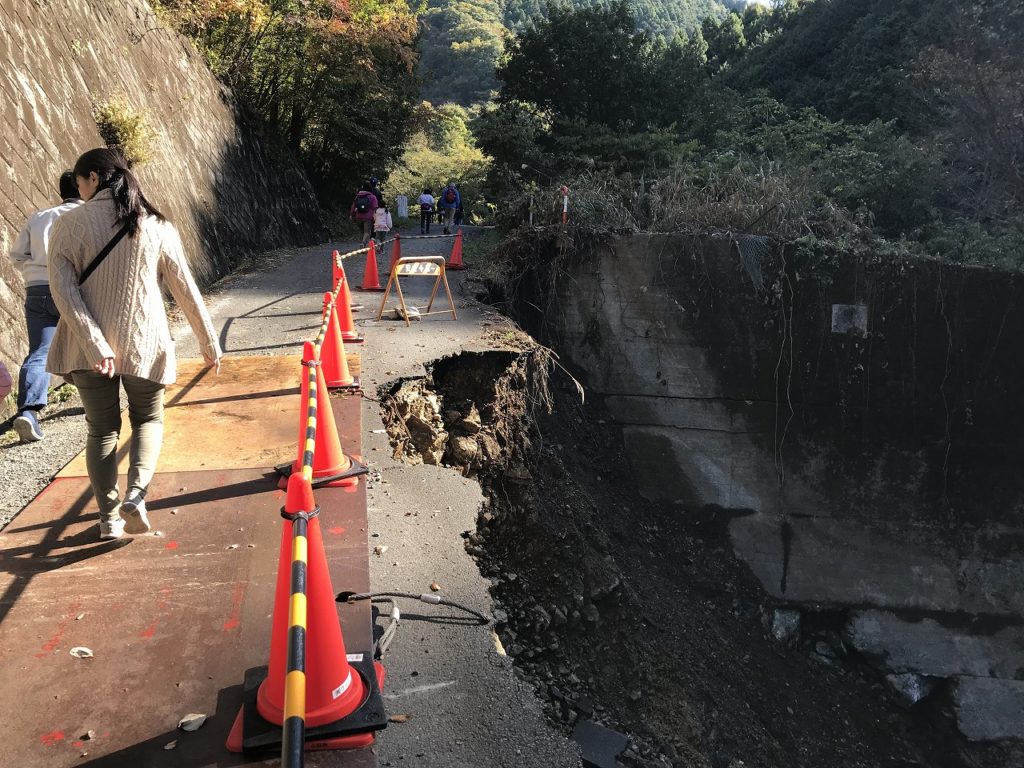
108 259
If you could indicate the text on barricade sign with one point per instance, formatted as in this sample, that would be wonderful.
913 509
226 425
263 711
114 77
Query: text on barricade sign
426 268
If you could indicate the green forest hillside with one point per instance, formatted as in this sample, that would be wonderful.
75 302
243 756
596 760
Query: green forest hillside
896 126
462 39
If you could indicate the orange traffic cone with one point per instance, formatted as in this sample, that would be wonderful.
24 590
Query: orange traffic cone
455 262
337 270
348 327
371 280
343 705
332 353
330 464
327 668
396 253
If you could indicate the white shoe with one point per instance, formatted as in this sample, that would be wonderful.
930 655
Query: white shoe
27 427
133 511
111 529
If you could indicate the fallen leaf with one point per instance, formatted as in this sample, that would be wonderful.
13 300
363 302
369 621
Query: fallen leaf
398 719
88 735
193 721
81 652
380 549
79 617
231 546
435 587
170 745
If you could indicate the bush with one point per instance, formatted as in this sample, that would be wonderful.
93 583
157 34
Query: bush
127 129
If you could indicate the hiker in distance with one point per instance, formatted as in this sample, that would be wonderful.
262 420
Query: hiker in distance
376 192
450 202
426 201
41 315
108 259
362 210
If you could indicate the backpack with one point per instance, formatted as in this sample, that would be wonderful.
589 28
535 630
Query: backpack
449 196
363 203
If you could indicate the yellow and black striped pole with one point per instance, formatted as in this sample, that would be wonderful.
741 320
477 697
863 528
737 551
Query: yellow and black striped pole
294 726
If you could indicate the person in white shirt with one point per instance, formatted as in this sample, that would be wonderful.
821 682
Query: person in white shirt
426 201
41 315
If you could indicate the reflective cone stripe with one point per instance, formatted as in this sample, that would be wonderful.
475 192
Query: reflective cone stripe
294 727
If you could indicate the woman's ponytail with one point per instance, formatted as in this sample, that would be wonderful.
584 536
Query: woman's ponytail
130 203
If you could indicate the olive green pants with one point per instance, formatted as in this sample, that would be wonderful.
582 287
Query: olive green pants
101 399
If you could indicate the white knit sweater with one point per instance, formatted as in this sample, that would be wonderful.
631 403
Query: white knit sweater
119 311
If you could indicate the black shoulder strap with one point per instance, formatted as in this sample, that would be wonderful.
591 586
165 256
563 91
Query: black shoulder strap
103 254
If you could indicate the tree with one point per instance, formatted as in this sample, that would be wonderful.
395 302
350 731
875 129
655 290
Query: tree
329 80
726 40
589 64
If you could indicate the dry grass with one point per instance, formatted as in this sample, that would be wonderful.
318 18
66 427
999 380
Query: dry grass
126 128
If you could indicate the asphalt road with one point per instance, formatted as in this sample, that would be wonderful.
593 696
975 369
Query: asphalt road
460 701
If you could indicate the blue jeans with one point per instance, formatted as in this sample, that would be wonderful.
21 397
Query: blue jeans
41 316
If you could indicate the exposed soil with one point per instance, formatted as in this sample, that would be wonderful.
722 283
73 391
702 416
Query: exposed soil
638 616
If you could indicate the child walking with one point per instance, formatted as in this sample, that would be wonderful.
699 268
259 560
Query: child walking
381 224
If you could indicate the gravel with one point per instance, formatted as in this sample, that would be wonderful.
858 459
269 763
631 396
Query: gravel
27 468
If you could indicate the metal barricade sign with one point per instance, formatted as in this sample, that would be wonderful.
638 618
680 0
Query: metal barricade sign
418 266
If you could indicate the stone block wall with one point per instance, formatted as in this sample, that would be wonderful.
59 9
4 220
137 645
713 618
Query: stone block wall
211 175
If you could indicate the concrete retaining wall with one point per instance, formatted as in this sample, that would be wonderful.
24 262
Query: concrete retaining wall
861 418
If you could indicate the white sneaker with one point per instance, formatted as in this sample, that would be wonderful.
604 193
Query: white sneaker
133 511
111 529
27 427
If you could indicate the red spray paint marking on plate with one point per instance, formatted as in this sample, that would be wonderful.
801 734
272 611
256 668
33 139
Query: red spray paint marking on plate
235 619
52 738
54 642
161 608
